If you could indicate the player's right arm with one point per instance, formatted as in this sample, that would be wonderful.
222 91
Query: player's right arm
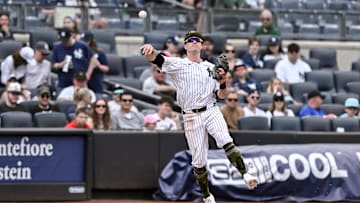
152 55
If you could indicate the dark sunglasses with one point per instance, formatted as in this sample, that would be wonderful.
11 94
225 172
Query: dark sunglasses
127 100
265 19
99 105
276 100
255 97
230 51
15 93
232 100
45 96
352 108
193 39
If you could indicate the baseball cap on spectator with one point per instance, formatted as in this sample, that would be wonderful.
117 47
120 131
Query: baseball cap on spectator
273 41
173 39
193 34
150 119
87 36
14 87
43 90
64 34
27 54
79 76
315 93
239 66
252 91
118 91
351 102
278 96
12 78
43 47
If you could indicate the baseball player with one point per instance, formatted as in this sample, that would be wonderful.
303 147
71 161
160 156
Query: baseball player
197 91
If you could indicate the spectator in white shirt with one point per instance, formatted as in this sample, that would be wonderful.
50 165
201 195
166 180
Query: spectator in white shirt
292 69
167 120
253 100
278 107
158 84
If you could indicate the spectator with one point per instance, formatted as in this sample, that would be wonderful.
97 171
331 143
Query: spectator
125 119
96 75
253 100
278 107
229 81
11 102
5 26
81 116
69 57
231 110
207 53
243 83
267 27
229 51
40 72
251 58
72 25
150 123
274 49
166 119
351 108
171 46
25 93
79 81
158 84
114 104
15 64
82 98
100 115
313 106
292 69
275 86
43 97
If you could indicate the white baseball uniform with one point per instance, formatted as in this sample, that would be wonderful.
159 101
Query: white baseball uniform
196 89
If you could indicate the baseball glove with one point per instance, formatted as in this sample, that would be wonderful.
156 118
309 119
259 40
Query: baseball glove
221 62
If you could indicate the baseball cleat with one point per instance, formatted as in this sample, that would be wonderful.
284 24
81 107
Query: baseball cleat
250 181
210 199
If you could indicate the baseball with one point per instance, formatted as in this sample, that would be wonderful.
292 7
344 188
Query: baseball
142 14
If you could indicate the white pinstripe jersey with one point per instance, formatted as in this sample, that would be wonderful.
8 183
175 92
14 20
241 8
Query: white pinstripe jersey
195 87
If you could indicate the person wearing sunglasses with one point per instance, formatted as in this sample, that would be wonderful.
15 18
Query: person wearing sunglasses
43 98
231 110
126 119
229 51
278 107
99 118
13 90
243 83
253 100
197 93
351 108
267 27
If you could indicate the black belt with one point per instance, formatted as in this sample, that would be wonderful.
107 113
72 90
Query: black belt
198 110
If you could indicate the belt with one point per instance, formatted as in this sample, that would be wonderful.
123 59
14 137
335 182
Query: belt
199 110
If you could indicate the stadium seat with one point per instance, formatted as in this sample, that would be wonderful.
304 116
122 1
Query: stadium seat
48 35
313 63
137 24
105 3
323 79
266 98
28 105
309 30
348 124
148 111
165 25
343 77
297 90
264 106
284 123
16 119
353 87
106 36
226 23
290 4
270 64
315 123
331 30
253 123
286 28
315 5
264 39
295 108
131 82
116 66
355 65
155 39
326 56
50 119
7 47
66 107
104 47
219 41
341 97
336 109
339 5
261 75
134 65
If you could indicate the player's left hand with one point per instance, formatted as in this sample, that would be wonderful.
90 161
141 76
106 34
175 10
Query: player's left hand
222 73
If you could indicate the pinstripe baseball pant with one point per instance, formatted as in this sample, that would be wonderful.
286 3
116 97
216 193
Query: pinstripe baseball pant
197 126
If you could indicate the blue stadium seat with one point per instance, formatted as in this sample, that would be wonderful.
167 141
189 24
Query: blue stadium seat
336 109
253 123
343 77
284 123
348 124
326 56
323 79
315 123
16 119
50 119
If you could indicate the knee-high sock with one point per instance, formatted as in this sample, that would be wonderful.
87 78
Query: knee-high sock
234 155
202 179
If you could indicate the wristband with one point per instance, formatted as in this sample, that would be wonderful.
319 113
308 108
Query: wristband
222 86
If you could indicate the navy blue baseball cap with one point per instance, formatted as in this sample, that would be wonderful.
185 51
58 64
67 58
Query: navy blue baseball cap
87 36
173 39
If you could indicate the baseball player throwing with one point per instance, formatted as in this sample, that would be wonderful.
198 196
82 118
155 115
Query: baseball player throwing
198 83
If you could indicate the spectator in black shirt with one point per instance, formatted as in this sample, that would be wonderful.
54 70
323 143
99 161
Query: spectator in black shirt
11 103
43 96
